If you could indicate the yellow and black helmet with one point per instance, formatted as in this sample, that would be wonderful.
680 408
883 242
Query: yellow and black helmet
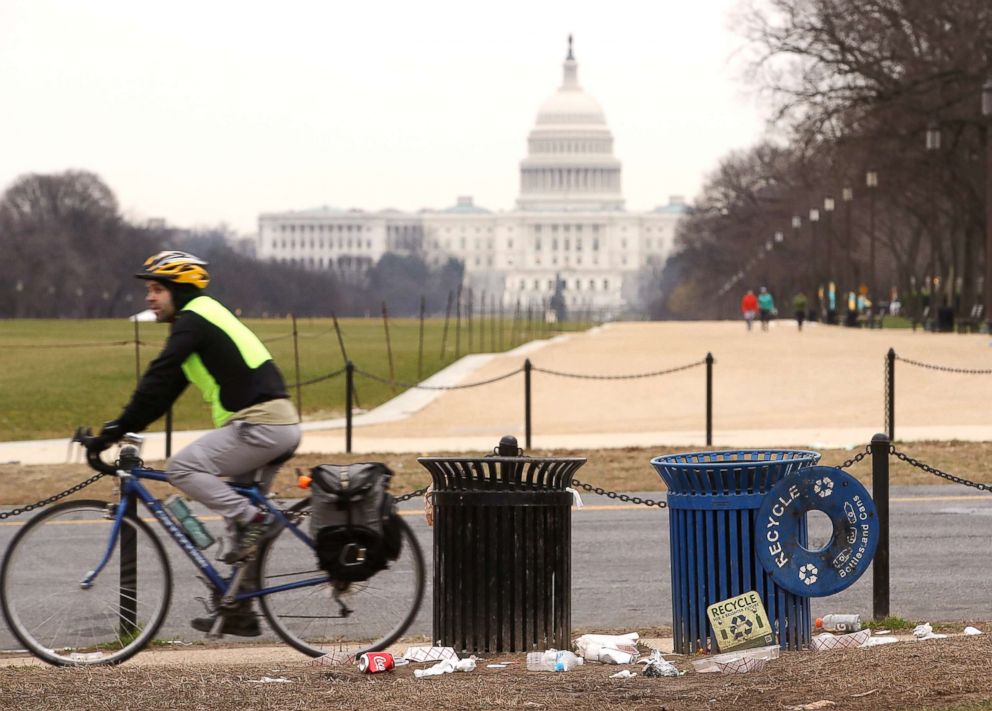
177 268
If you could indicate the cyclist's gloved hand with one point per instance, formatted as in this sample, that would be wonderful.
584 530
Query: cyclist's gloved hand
110 433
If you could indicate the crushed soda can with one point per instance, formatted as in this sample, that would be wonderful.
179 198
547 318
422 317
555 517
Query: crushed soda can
375 662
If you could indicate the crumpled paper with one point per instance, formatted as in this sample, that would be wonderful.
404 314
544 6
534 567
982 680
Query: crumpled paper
446 666
625 674
925 631
429 654
970 631
656 665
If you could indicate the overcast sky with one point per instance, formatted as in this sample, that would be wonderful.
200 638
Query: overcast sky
207 112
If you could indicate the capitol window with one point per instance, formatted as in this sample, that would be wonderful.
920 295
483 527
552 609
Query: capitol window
592 285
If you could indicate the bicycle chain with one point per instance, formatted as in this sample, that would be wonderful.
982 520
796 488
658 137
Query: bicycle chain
937 472
51 499
600 491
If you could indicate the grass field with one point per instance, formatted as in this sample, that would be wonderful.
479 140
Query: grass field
57 374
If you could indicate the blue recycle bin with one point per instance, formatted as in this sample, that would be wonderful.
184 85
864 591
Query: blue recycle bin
713 501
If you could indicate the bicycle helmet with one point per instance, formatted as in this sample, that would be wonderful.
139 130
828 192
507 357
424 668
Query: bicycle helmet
177 268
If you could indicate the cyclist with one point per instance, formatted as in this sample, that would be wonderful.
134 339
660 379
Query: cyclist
257 424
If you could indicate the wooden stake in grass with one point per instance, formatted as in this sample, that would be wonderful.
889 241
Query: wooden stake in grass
344 355
468 320
296 357
447 317
458 324
420 346
389 346
482 322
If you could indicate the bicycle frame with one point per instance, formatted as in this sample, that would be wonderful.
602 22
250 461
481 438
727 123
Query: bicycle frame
132 490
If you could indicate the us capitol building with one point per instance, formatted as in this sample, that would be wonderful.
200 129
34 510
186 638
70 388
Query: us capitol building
569 223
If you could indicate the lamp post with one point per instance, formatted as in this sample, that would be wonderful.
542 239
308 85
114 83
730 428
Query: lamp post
847 194
797 223
828 208
814 221
871 181
933 145
987 281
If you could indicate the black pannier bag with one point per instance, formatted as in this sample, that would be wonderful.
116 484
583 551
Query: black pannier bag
353 519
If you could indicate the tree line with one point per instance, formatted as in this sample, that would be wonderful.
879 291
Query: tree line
872 174
69 253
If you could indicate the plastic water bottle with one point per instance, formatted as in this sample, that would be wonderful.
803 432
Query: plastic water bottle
193 527
839 623
552 660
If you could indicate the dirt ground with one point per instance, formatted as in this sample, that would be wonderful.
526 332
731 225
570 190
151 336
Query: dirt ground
954 673
625 469
824 377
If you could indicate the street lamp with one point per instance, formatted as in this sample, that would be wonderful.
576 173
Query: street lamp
828 208
814 223
847 194
933 145
987 282
871 180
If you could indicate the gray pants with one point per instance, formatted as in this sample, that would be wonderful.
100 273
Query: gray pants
240 451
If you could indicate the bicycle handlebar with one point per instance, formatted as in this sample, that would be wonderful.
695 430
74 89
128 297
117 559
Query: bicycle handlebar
84 436
94 460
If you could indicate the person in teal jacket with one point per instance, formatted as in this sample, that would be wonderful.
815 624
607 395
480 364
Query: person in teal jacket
766 307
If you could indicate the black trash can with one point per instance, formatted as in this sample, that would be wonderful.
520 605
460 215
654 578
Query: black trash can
502 551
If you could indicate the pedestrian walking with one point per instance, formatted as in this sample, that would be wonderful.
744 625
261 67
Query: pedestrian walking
749 307
799 308
766 307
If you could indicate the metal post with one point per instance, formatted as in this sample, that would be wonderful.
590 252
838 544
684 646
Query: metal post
168 433
880 445
420 349
890 392
296 357
128 600
527 368
349 392
709 399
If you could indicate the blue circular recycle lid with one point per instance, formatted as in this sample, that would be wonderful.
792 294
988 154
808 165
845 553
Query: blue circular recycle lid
848 553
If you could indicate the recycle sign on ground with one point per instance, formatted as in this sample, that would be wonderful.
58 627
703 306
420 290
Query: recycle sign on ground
837 565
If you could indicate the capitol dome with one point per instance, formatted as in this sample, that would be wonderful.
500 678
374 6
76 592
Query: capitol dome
570 163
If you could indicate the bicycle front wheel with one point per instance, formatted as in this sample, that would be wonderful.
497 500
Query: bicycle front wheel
49 611
327 617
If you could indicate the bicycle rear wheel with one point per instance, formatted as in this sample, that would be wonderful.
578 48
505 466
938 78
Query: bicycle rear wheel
357 617
53 616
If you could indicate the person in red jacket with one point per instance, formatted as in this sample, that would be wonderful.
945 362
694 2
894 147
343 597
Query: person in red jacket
749 307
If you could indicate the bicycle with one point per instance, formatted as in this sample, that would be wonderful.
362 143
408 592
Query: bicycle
107 601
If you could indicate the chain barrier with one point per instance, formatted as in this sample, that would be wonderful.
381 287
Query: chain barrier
937 472
418 386
600 491
633 376
412 495
945 368
319 378
51 499
92 344
856 458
